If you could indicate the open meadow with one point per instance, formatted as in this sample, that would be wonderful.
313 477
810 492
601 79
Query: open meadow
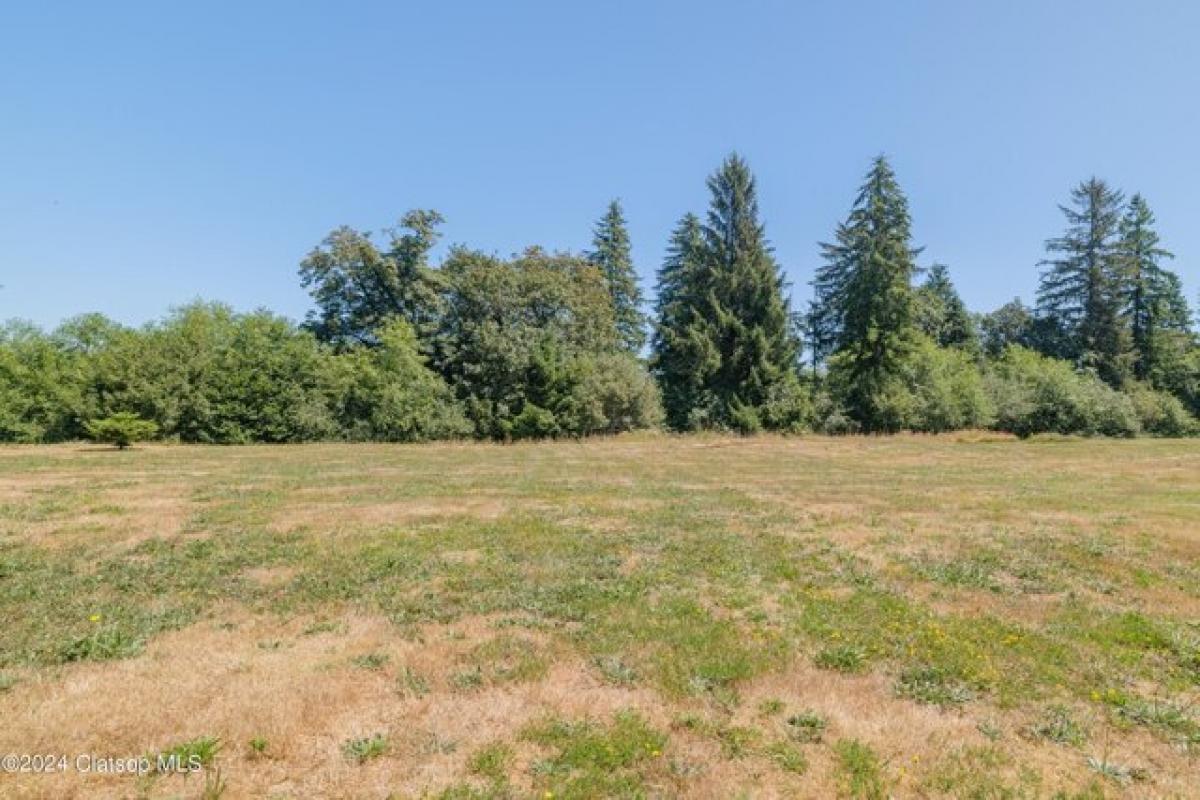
966 616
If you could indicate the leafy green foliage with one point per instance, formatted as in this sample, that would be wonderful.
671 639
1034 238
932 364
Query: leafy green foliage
201 751
807 727
122 429
934 685
861 770
1058 725
388 393
492 761
1162 414
1011 323
1035 394
531 348
596 760
788 757
40 397
948 390
841 658
366 748
208 374
358 288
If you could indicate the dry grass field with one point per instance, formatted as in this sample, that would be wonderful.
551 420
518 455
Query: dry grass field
961 616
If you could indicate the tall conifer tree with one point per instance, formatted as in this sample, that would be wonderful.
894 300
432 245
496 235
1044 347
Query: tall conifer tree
865 293
679 356
727 346
612 254
1080 287
941 313
1150 299
745 312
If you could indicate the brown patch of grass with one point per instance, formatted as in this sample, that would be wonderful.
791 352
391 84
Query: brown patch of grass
304 697
335 514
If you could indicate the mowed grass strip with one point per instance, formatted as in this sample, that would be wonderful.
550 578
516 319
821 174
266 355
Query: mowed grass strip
642 616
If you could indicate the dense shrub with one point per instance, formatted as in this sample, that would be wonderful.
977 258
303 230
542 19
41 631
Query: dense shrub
613 393
121 429
788 407
387 393
1177 371
881 403
936 389
523 348
39 387
534 422
1036 394
831 418
208 374
948 390
1162 414
584 394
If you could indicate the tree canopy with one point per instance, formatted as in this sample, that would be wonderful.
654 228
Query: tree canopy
543 343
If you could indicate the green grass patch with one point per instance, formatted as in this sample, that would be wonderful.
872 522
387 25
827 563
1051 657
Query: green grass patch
590 759
860 771
366 748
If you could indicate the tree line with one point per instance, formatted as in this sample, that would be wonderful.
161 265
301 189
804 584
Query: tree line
552 344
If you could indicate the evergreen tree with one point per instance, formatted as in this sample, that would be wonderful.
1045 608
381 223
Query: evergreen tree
744 314
678 357
865 290
612 255
1151 297
1174 313
941 313
725 349
1080 291
821 322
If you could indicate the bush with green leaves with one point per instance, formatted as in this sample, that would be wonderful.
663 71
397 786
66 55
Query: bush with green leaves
122 429
935 389
39 386
1033 393
1177 370
948 390
388 393
584 395
788 407
1162 414
534 422
208 374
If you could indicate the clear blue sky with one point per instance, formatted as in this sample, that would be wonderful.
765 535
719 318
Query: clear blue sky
154 153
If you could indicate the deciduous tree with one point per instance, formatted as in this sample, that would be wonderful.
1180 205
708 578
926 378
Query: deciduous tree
358 288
